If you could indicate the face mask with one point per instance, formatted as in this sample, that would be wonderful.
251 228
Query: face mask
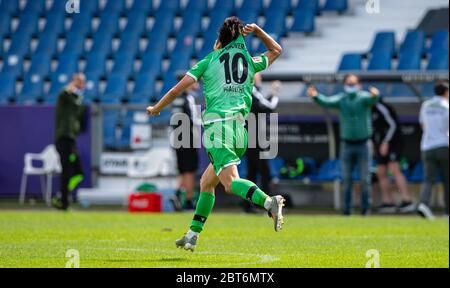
351 89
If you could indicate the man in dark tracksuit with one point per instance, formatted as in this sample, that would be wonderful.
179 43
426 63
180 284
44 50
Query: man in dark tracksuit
69 115
256 165
187 157
388 145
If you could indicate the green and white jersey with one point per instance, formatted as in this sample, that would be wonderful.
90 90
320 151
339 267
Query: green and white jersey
227 75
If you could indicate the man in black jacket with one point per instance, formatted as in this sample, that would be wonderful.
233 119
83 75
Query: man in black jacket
69 116
388 145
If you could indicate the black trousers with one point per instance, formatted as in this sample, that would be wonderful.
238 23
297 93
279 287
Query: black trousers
256 166
70 164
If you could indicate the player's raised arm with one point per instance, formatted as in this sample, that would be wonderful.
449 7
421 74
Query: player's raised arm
173 93
274 49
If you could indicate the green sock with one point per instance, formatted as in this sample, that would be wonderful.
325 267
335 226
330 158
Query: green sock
74 181
204 207
248 190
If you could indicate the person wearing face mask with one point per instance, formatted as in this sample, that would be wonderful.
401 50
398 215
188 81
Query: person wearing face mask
69 114
187 157
256 165
355 114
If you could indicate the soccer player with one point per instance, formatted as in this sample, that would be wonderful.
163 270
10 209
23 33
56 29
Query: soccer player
227 75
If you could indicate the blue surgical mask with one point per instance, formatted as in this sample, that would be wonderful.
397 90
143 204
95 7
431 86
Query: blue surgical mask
351 89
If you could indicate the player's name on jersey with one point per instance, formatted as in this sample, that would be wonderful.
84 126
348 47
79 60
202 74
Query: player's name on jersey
233 89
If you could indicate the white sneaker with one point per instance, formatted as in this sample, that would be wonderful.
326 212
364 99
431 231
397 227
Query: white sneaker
425 211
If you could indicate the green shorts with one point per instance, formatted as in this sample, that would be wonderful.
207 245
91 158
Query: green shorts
226 143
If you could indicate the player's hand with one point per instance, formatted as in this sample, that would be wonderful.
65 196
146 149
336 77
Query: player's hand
152 110
374 91
249 28
312 92
384 149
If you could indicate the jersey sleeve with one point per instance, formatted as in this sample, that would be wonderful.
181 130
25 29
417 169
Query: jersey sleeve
260 63
198 69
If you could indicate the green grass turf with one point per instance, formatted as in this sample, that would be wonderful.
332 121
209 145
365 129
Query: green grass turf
120 239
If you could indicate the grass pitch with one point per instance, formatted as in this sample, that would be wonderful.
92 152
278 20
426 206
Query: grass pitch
119 239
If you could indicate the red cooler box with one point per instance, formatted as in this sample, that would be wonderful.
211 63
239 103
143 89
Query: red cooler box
145 202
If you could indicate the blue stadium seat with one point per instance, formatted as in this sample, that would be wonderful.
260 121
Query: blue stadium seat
339 6
350 62
81 23
157 42
304 20
123 63
144 89
57 83
89 7
275 166
95 63
151 64
116 88
414 42
308 5
54 24
28 23
427 89
384 42
179 62
5 24
438 60
185 45
439 41
74 43
129 42
91 93
9 7
225 6
329 171
114 6
169 81
109 23
410 60
275 22
380 61
47 43
417 174
123 134
140 8
40 64
163 22
102 42
1 45
136 24
59 6
252 5
13 64
207 46
7 87
20 45
34 7
172 5
32 90
247 15
401 90
283 6
191 25
261 48
67 64
197 6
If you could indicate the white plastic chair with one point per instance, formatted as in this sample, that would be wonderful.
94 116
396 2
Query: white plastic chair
50 166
